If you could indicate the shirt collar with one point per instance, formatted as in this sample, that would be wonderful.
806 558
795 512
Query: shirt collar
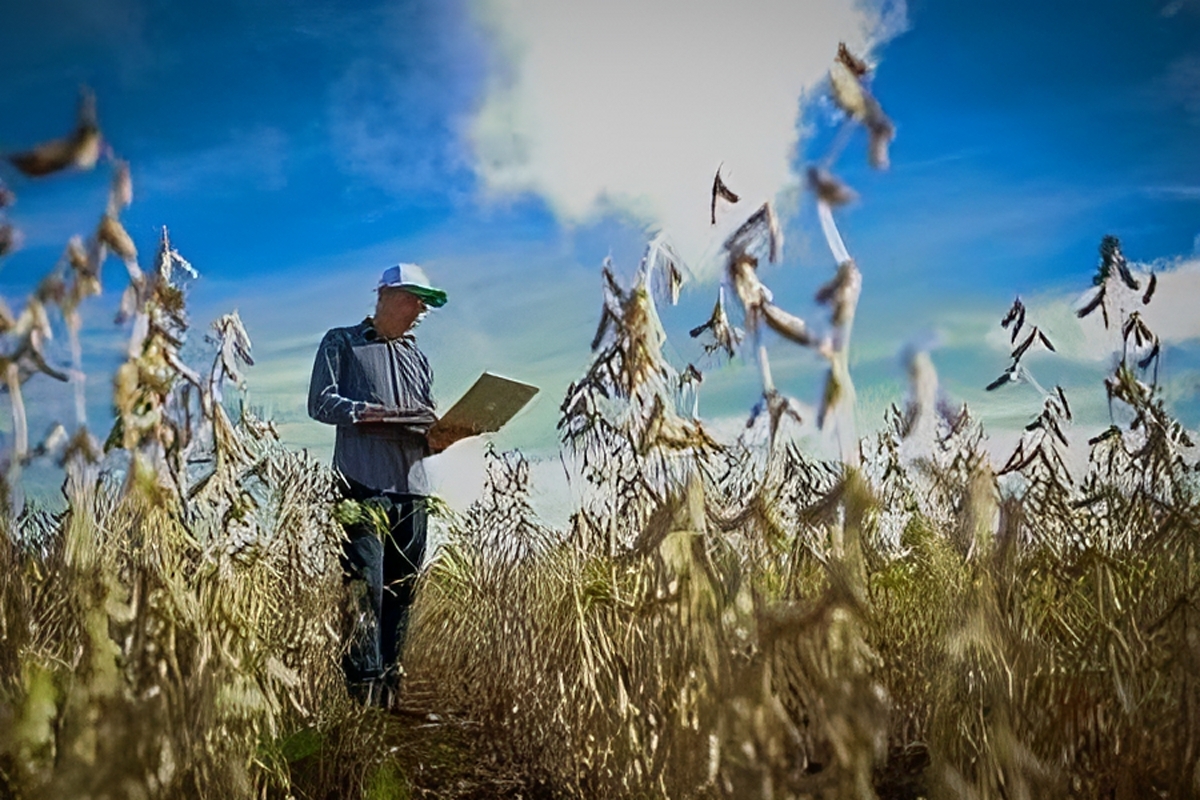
372 335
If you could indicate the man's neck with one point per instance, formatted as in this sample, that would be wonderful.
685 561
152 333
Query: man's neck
386 333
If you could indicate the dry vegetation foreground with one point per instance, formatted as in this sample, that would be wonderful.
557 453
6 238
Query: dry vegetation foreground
824 641
763 626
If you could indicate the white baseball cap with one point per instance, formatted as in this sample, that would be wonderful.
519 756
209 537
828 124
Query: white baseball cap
413 280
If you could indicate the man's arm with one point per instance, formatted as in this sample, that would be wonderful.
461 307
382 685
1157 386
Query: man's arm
325 403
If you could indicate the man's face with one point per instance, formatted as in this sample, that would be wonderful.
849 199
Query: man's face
396 311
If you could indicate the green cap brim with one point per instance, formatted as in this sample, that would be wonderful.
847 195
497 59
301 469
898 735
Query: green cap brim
432 297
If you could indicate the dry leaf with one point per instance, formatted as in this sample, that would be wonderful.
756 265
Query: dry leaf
80 149
719 189
1150 288
120 193
10 239
852 62
114 236
829 188
726 337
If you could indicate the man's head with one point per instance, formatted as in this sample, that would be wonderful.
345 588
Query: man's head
404 296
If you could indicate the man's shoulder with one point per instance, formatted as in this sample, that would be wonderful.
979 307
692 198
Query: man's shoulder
349 334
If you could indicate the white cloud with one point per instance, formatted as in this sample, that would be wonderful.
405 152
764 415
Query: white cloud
634 103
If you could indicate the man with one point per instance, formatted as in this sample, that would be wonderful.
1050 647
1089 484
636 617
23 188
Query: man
374 384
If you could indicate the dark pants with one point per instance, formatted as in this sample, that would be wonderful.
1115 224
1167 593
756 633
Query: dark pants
382 571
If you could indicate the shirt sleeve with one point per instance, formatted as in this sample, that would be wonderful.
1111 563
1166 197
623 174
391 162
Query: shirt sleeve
325 402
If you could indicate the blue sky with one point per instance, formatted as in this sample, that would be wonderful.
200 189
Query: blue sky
295 149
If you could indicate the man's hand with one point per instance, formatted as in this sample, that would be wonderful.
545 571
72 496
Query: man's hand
442 436
375 412
439 439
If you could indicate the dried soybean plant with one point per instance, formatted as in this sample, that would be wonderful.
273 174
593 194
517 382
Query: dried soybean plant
574 645
74 279
759 237
1039 460
1080 618
503 522
821 631
626 660
1145 450
921 465
906 629
813 659
621 423
172 631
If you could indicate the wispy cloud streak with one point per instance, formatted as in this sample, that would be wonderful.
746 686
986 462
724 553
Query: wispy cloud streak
397 115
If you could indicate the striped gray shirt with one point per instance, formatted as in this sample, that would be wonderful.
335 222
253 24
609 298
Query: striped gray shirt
355 366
